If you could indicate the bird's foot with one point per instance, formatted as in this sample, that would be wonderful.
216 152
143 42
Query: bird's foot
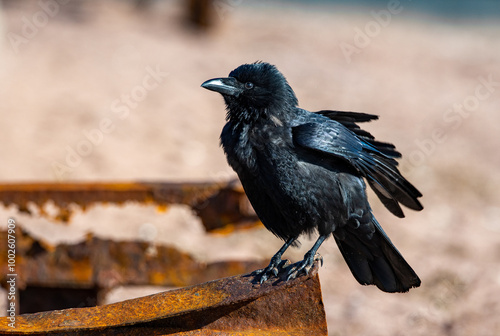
304 266
273 269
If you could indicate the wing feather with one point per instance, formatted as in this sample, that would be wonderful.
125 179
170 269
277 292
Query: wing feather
374 160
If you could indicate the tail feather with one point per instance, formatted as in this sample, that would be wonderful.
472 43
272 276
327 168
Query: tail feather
376 261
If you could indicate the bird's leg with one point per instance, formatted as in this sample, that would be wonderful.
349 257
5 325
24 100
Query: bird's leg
309 258
276 262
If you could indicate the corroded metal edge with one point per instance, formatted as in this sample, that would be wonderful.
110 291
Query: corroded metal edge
105 264
233 305
219 205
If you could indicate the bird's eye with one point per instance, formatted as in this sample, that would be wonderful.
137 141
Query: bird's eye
248 85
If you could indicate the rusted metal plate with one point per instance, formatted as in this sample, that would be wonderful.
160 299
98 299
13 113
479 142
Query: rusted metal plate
229 306
218 205
104 263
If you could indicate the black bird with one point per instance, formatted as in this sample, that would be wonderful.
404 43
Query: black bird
303 173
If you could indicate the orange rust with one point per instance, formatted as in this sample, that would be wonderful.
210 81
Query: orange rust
103 263
217 205
229 306
162 208
85 194
229 228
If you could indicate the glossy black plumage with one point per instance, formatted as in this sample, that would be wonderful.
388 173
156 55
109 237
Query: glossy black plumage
303 173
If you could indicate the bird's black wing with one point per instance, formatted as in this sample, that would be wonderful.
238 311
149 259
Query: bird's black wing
372 159
347 116
349 120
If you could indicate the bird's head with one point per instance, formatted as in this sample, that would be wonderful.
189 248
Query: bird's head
254 90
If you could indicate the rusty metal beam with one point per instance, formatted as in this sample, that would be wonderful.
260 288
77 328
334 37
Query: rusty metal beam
105 264
229 306
218 205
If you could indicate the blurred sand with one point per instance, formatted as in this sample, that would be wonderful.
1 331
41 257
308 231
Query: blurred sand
73 73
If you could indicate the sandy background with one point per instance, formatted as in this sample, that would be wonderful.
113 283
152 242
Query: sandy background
427 77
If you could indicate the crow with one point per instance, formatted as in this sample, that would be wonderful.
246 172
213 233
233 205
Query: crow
304 172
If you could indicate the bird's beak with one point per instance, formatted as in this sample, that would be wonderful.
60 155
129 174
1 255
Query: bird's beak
225 86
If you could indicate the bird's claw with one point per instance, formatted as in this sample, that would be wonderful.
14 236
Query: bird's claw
273 269
290 271
304 266
319 258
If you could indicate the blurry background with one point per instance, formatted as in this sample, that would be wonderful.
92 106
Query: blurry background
131 72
